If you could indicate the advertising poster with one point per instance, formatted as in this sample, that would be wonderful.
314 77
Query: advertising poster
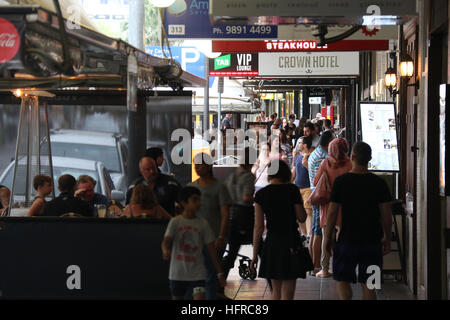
379 130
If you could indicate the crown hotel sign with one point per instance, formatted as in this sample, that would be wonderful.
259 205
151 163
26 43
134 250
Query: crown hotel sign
309 64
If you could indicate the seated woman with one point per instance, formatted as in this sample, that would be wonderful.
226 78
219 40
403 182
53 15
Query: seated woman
43 185
143 204
5 195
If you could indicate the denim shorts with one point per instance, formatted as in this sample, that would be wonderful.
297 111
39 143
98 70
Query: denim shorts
347 256
180 288
316 229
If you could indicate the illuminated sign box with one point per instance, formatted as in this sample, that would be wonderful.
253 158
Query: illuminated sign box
240 64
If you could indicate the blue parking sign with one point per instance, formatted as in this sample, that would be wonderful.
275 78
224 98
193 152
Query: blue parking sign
189 19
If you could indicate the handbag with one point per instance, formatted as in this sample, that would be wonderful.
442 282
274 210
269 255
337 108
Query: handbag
322 193
300 260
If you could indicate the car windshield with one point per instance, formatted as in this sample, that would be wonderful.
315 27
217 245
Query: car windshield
106 154
57 172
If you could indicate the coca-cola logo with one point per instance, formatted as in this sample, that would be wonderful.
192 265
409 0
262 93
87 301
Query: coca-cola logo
9 41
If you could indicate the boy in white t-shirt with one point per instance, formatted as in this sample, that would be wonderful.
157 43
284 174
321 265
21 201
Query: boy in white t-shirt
184 239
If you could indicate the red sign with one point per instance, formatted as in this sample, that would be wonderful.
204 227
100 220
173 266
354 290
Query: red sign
298 46
9 41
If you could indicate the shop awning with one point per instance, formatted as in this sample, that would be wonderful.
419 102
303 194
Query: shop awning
228 105
32 56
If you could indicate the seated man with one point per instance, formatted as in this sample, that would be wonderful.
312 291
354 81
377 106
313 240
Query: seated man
85 191
66 202
164 187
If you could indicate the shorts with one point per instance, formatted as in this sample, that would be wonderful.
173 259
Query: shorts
306 193
316 230
347 256
180 288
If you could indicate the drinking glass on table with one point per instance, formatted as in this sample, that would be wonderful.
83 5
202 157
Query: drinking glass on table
101 210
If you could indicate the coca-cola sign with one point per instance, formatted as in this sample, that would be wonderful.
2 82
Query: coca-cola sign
9 41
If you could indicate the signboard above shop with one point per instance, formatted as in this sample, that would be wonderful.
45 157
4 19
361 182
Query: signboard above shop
230 46
229 65
189 19
312 8
291 64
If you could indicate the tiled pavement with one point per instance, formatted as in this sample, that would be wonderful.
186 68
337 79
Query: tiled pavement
311 288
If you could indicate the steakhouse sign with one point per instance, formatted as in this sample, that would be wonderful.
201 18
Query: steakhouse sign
9 41
235 46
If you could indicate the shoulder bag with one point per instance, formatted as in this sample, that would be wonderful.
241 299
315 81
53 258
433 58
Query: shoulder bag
322 193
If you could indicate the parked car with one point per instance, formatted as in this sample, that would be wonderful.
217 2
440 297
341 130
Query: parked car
64 165
106 147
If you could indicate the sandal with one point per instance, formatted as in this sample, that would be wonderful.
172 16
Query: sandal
323 274
315 271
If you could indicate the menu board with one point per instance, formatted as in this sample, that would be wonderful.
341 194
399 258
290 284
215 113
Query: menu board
379 130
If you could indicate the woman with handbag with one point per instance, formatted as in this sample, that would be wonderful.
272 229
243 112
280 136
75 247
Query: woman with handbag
281 204
334 166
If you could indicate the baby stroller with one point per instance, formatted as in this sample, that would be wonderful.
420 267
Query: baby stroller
244 268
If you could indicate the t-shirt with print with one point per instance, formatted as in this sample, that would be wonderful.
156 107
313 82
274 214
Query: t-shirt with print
360 196
189 236
213 196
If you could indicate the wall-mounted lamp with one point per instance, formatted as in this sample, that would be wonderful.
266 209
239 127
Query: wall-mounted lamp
406 72
407 67
390 80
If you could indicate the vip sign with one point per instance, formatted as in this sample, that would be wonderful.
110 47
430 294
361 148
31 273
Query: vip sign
309 64
240 64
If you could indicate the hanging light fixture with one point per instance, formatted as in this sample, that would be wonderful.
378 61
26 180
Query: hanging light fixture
162 3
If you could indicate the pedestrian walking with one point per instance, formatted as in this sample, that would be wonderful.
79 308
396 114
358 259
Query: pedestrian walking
281 204
364 200
215 206
184 239
314 161
334 166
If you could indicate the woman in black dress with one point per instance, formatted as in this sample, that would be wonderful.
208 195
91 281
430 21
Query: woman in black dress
282 204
